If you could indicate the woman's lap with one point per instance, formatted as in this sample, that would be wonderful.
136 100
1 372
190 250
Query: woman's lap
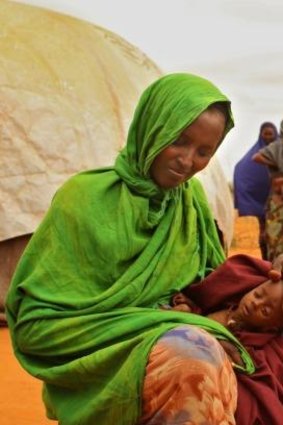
189 381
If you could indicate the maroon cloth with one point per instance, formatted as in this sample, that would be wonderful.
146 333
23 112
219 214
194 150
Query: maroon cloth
260 396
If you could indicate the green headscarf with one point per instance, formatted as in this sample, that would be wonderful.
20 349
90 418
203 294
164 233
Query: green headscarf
165 109
83 304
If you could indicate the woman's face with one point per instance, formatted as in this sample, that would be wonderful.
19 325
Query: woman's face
268 134
261 308
191 152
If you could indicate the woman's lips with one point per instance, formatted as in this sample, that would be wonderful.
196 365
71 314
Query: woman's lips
178 174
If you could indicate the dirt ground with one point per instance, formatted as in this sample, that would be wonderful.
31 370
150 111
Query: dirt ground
245 239
20 394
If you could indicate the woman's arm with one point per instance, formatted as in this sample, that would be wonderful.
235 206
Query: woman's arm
261 159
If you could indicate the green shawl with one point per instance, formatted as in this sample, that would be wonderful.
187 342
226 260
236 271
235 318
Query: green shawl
83 304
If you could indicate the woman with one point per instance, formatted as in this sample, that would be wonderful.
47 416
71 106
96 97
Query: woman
116 243
272 157
251 183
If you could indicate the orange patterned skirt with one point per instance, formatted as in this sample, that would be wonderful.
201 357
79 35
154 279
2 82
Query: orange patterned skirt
189 381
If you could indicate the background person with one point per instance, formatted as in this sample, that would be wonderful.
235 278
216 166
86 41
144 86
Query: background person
251 183
272 157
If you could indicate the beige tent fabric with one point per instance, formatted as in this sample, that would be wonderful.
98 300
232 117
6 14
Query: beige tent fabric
68 89
220 198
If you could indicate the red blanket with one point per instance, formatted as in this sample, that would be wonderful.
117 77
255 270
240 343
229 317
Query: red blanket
260 396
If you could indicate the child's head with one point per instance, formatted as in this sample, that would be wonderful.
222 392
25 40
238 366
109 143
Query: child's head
262 307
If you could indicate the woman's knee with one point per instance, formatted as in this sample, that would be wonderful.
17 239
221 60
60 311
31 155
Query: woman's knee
188 374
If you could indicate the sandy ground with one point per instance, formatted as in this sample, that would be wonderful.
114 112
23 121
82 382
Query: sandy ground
245 237
20 394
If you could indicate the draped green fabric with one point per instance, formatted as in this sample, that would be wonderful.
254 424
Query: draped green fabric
83 306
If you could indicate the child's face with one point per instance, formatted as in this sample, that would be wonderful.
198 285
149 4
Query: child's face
261 308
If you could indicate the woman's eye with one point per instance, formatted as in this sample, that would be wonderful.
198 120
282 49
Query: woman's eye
179 142
257 294
204 153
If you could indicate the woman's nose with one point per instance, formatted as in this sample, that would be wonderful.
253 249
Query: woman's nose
186 159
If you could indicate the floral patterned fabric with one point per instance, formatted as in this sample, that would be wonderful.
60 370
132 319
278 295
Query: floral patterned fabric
189 381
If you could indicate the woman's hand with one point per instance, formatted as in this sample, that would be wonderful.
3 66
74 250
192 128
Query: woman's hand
232 352
182 307
181 299
276 272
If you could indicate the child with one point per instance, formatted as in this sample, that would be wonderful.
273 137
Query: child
246 295
259 310
255 303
